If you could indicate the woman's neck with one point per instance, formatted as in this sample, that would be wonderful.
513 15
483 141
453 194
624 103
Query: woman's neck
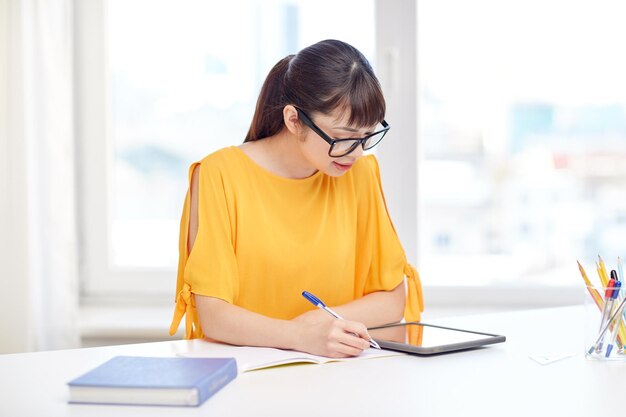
281 155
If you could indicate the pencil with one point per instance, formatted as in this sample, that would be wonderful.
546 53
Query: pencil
594 293
604 277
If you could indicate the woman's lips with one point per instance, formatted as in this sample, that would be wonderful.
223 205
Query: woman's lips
342 167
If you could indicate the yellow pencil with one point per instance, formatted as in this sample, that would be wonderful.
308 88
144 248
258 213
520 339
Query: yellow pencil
594 293
604 277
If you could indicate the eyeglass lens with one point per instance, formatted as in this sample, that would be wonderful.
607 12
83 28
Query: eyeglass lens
344 147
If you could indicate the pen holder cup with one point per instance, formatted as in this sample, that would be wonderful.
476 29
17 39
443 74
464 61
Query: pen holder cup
605 324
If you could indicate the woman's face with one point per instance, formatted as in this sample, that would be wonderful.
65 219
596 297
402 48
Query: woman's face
315 149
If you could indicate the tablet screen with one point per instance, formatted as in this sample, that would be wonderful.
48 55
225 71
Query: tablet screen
429 338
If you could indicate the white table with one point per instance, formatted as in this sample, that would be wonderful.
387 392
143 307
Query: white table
497 380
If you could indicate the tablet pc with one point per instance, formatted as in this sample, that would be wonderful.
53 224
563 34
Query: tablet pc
428 339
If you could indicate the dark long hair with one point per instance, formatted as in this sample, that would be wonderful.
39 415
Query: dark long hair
321 78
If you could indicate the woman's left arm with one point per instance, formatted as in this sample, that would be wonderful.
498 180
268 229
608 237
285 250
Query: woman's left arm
374 309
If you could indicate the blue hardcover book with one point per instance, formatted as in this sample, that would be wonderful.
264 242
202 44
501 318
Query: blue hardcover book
153 381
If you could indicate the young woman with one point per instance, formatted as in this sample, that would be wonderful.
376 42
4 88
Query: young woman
297 207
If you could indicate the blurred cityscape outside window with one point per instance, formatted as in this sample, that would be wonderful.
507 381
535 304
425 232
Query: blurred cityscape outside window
522 114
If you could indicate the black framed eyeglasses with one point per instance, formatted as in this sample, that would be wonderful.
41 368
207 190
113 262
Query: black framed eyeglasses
342 147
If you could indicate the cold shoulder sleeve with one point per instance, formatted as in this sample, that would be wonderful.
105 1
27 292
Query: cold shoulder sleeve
381 251
210 268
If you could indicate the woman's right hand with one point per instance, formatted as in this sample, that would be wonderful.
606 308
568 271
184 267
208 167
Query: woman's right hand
333 338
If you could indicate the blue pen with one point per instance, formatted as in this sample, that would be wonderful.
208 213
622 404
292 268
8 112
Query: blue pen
620 297
616 296
320 304
617 316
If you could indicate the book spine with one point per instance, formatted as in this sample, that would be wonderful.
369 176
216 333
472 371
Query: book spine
216 381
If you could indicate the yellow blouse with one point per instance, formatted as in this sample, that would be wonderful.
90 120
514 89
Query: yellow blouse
263 239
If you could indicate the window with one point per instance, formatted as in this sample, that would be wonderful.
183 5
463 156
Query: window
163 83
521 128
523 139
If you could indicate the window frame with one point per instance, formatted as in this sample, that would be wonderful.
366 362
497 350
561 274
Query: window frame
95 153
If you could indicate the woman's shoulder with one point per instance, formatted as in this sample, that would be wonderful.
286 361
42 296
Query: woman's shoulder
220 161
366 166
221 156
365 177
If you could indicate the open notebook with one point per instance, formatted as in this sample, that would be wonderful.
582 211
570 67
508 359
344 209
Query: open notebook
252 358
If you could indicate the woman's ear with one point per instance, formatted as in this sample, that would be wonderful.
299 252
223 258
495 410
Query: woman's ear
292 121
